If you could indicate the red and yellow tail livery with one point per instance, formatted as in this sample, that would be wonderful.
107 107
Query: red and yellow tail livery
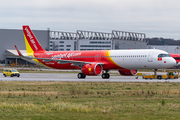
32 44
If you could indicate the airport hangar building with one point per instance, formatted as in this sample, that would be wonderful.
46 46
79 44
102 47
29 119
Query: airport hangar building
67 41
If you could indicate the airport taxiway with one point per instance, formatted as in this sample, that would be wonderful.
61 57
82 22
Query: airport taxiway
73 77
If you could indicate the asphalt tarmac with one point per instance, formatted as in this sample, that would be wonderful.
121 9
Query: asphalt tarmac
73 77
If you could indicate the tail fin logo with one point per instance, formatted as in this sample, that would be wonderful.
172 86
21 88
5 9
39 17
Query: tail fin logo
31 38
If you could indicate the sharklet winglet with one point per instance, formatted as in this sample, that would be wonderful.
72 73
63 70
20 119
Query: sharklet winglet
18 51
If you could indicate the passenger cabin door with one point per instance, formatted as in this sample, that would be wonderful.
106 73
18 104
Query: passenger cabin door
98 57
150 56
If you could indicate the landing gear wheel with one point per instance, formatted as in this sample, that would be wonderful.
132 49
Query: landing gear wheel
105 75
159 77
4 75
11 75
81 75
18 75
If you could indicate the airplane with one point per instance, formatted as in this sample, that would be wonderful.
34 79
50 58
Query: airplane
95 62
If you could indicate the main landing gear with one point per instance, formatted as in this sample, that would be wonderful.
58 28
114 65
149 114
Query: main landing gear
81 75
105 75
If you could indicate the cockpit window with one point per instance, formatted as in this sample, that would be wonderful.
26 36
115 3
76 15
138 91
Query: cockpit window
163 55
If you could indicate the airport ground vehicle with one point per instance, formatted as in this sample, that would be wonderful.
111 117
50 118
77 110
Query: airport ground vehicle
169 75
10 72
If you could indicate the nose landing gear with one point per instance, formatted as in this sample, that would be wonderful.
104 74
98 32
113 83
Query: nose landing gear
155 71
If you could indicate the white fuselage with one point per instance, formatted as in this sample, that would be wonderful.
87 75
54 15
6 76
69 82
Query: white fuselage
125 59
142 59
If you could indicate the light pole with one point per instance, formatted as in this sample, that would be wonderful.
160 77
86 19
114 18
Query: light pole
177 49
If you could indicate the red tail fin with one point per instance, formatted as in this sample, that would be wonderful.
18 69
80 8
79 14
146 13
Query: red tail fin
32 44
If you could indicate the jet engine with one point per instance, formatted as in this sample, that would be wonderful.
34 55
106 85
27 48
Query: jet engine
92 69
128 72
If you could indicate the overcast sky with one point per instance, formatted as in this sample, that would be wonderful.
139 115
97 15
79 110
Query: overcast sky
155 18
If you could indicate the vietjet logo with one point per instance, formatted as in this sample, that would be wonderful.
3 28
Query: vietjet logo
65 55
89 69
31 38
159 59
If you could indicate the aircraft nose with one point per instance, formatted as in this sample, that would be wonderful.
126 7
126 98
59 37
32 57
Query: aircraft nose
173 62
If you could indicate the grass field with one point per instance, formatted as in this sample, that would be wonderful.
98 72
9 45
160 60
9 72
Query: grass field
89 100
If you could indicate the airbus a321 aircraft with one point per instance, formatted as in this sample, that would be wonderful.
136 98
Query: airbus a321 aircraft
92 63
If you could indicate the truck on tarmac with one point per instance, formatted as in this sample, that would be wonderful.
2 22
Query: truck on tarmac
169 75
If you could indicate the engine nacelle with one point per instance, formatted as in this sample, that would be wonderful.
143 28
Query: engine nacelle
127 72
92 69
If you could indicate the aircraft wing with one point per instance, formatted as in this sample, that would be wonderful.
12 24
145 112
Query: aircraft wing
74 62
60 61
15 55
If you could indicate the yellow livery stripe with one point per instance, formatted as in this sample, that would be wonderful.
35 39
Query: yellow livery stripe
28 47
110 58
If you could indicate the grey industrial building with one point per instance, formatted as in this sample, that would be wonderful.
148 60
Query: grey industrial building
171 49
68 41
90 40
